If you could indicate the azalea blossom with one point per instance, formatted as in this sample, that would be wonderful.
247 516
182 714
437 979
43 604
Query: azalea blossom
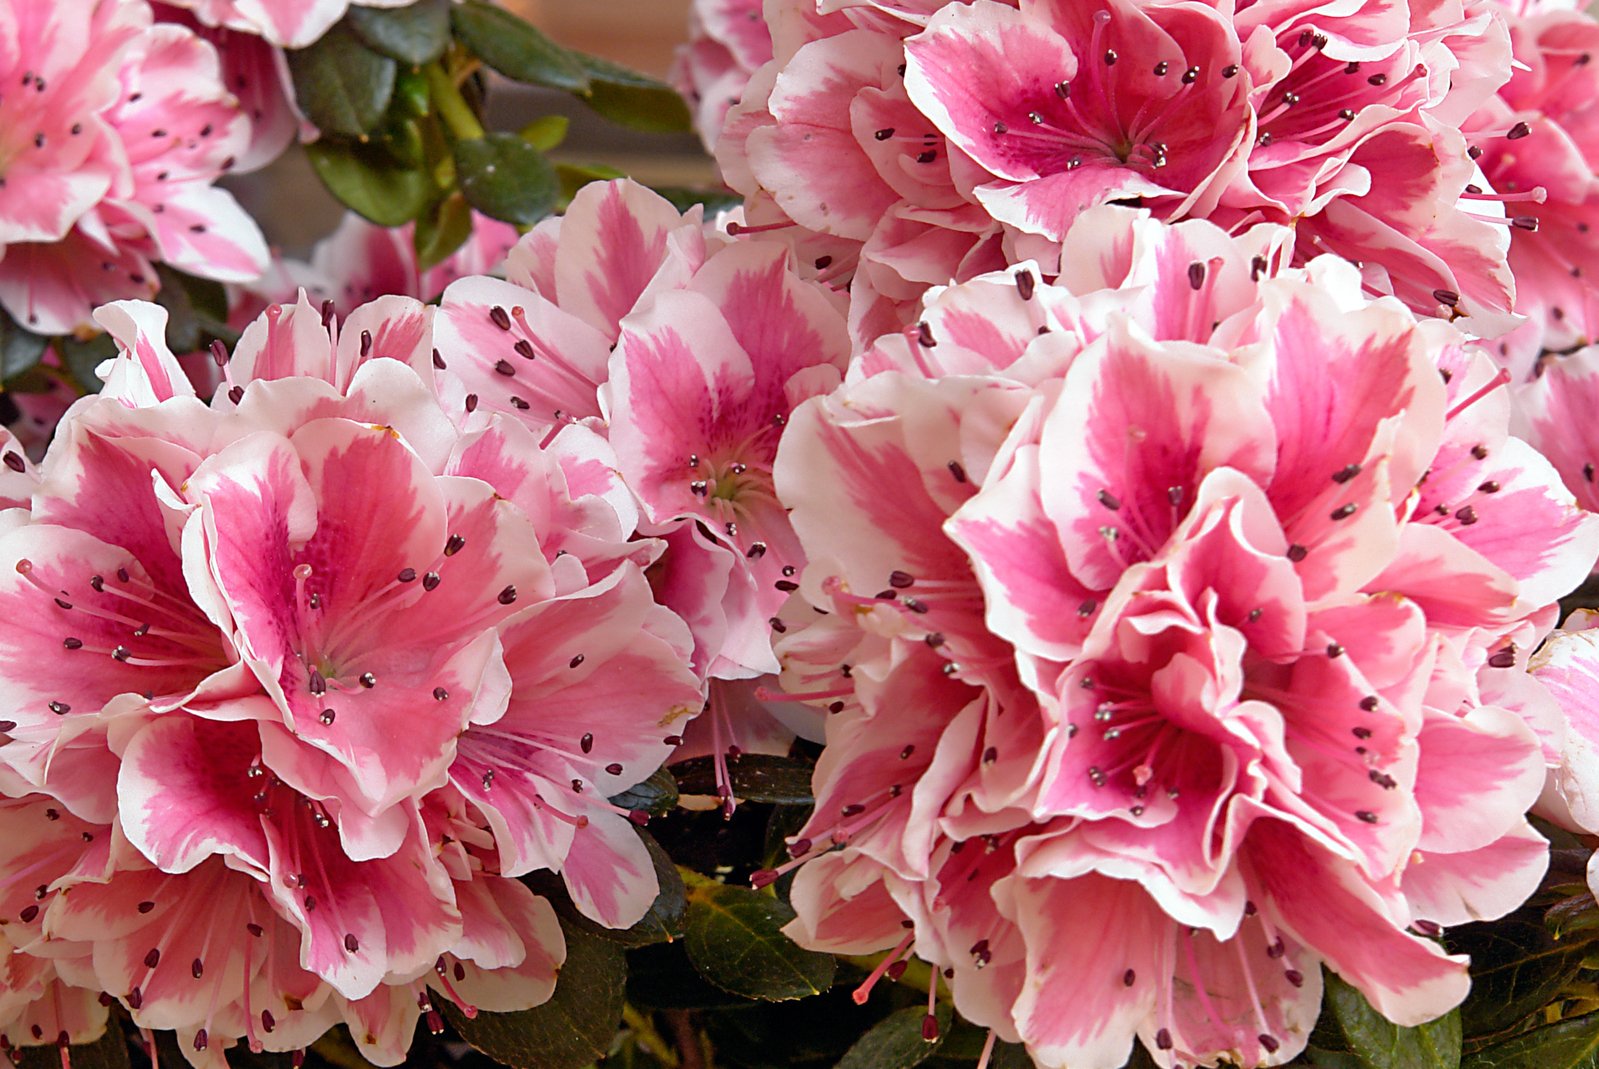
317 668
686 353
728 41
959 136
118 129
1174 576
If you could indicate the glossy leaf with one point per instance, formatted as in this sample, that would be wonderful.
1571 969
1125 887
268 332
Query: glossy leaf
635 100
756 778
110 1051
369 182
1377 1043
197 309
20 349
896 1041
1569 1044
416 35
734 937
341 85
656 796
516 49
546 132
80 358
572 1029
506 178
1517 967
441 230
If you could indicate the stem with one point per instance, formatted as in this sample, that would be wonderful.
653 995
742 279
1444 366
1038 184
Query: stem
648 1038
451 105
688 1040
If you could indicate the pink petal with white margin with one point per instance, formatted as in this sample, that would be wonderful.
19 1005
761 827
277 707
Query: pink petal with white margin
1568 667
1076 960
1033 599
54 288
1164 417
296 23
18 477
613 242
285 341
391 327
146 372
1321 901
490 362
1484 762
203 230
530 981
598 683
1477 885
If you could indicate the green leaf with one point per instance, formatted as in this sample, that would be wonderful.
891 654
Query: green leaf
442 230
342 86
664 921
714 200
1517 968
506 178
660 977
81 358
1569 1044
546 132
110 1051
896 1041
656 796
1378 1043
516 49
756 778
734 938
194 307
634 100
20 349
574 176
572 1029
368 182
416 35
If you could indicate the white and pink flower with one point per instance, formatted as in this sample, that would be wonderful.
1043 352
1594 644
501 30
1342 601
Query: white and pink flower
117 130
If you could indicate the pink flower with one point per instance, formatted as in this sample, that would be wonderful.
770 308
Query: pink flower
330 673
1206 619
123 128
688 353
728 41
285 23
957 134
1538 148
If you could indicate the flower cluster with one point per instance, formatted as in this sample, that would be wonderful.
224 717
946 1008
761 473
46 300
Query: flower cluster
299 681
1213 593
116 129
901 145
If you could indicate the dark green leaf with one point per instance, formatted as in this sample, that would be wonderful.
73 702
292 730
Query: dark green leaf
506 178
896 1041
574 176
631 99
110 1051
194 306
368 182
442 230
517 50
660 977
734 938
713 200
81 358
546 132
1378 1043
656 796
756 778
1517 968
1568 1044
663 923
569 1031
416 35
342 85
20 349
